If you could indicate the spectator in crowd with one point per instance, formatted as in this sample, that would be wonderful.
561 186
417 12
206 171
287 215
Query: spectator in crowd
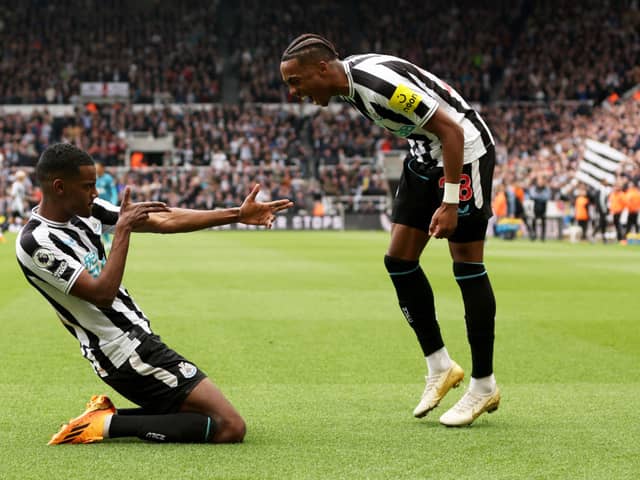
601 202
107 190
515 204
632 200
581 210
617 205
500 207
540 193
20 189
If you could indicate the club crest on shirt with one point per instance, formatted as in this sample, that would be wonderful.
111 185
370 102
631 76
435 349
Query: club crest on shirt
404 99
43 258
187 370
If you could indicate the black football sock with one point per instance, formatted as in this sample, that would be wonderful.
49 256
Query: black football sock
183 427
133 411
480 313
416 301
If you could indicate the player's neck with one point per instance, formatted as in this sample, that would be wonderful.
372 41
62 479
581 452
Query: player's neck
53 212
341 81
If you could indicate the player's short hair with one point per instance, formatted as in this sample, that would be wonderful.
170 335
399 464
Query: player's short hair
310 47
61 159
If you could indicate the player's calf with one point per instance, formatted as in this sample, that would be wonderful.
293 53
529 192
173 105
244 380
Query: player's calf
480 312
415 297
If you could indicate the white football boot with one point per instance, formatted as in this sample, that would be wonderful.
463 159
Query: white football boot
470 407
437 387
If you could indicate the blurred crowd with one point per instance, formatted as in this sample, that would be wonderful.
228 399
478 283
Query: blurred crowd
540 149
559 58
185 52
260 38
466 43
331 156
162 49
547 140
325 160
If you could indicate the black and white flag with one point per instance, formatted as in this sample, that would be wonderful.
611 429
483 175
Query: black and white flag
600 162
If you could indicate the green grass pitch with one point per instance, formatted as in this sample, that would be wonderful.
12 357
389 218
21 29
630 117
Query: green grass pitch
302 333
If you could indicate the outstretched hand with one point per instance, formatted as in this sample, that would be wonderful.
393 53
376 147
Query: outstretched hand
134 215
260 213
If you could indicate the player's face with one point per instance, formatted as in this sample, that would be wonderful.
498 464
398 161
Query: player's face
81 191
307 80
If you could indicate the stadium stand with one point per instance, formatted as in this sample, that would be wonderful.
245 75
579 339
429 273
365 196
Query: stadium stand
558 57
162 49
194 80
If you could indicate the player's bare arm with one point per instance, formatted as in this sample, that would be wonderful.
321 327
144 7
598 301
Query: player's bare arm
179 220
102 290
451 135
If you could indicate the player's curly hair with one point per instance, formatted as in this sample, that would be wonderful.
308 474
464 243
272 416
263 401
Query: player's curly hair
310 46
61 159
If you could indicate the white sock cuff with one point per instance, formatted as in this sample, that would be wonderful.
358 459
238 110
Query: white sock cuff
106 426
438 361
484 385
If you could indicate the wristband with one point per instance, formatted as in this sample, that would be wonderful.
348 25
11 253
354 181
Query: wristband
451 193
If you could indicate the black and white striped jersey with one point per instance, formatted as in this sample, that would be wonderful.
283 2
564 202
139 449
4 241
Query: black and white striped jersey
401 97
52 255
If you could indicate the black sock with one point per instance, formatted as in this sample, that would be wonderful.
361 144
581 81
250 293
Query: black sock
175 427
480 313
416 301
133 411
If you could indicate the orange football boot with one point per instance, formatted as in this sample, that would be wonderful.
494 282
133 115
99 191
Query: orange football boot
88 427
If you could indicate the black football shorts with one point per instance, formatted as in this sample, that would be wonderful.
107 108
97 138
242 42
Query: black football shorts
421 190
155 377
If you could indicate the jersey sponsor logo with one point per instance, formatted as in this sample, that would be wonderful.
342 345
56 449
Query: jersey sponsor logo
404 99
463 212
60 270
187 370
93 264
43 258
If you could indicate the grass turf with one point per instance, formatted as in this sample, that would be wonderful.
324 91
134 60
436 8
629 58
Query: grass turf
302 333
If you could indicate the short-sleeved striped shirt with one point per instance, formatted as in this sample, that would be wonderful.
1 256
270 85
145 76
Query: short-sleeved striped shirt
52 255
401 97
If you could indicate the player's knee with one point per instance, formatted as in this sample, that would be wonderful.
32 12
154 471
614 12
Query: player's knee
231 430
239 430
398 266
